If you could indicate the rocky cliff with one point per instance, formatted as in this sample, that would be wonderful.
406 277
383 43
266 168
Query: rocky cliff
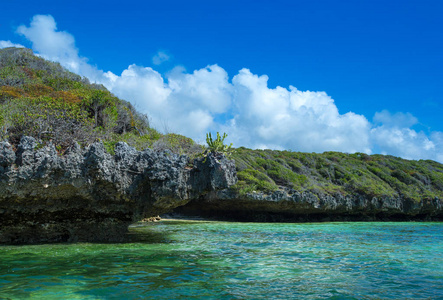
90 195
292 206
295 186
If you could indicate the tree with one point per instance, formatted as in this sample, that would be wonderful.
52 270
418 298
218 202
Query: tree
97 102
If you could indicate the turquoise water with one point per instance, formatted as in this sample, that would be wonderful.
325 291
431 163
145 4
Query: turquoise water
217 260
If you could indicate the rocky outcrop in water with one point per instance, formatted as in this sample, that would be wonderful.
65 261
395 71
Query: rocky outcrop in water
286 205
90 195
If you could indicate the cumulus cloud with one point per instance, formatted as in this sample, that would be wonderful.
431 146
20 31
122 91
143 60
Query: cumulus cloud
188 104
254 115
7 44
398 119
291 119
47 40
144 87
160 58
58 46
207 88
394 136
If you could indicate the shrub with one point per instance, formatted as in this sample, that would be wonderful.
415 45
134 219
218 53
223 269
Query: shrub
48 119
217 145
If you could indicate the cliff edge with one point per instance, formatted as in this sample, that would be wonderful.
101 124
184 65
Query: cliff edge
301 187
91 195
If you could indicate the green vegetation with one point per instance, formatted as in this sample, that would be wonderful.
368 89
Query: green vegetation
41 99
217 145
337 173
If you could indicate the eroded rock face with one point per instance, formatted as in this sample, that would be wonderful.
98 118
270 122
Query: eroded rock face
215 172
90 195
288 205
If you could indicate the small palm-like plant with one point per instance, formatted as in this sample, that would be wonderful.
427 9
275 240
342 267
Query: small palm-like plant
217 146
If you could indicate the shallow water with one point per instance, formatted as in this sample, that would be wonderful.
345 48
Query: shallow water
218 260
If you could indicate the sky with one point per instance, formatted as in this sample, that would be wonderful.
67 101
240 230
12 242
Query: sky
311 76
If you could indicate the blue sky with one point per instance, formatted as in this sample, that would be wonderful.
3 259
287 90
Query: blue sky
374 69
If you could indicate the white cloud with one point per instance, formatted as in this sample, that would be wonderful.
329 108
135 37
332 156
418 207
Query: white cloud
437 139
253 114
47 40
7 44
207 88
187 104
160 58
398 119
57 46
144 87
394 136
291 119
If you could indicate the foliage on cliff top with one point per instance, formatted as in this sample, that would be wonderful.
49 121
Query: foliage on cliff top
42 99
338 173
217 145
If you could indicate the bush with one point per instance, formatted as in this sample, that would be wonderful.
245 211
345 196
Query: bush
48 119
57 100
217 145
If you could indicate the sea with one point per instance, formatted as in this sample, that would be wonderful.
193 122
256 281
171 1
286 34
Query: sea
182 259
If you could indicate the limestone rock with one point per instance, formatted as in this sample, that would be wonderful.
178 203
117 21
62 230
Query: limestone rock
286 205
90 195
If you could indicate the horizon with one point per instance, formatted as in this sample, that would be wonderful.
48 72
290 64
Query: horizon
303 77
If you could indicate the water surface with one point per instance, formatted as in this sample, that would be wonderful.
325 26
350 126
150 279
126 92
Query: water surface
221 260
